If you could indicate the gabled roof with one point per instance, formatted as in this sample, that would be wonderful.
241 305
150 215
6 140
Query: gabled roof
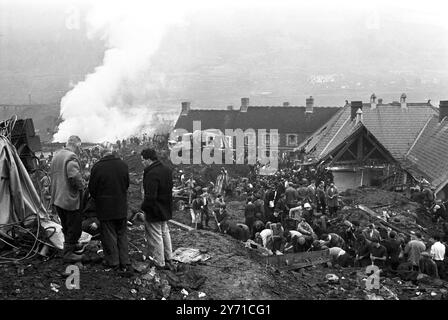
284 119
357 130
429 155
396 129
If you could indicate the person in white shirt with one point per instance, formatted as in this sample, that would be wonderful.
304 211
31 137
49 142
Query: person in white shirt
340 257
438 255
263 237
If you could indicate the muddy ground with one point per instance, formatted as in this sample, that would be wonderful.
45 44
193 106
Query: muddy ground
232 272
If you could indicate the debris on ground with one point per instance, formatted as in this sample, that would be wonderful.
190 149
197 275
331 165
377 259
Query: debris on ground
189 255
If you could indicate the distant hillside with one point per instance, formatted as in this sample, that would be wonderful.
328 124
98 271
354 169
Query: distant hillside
40 59
215 60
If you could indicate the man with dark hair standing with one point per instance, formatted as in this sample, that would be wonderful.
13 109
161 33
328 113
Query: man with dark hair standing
378 253
332 199
438 255
393 247
157 205
108 186
67 186
321 197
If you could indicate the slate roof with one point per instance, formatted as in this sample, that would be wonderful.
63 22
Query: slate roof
358 129
284 119
394 128
210 119
429 156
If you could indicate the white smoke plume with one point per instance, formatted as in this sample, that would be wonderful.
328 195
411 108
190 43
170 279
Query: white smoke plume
111 103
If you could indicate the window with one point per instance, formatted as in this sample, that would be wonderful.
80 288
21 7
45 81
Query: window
265 139
249 139
274 138
291 139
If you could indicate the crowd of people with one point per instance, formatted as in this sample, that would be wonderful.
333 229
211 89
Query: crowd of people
291 211
104 190
297 218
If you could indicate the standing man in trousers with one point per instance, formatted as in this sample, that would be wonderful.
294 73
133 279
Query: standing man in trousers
157 205
108 186
66 187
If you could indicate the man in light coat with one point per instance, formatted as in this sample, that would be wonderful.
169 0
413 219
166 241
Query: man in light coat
67 186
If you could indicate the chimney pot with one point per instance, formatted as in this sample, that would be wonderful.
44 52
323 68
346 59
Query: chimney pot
286 104
443 110
244 104
403 103
355 105
373 101
359 115
185 108
309 104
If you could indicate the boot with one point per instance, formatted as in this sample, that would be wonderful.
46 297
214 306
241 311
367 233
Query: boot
69 255
72 257
79 248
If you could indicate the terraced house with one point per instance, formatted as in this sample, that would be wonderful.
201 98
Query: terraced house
294 123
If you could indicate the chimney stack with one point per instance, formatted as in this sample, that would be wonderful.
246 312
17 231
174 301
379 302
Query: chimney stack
358 116
373 101
286 104
309 104
380 100
244 104
229 107
403 103
355 105
185 108
443 110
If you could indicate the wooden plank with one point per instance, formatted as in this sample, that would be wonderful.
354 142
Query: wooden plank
291 261
183 226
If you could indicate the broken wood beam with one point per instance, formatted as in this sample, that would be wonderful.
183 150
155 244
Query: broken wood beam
374 215
291 261
183 226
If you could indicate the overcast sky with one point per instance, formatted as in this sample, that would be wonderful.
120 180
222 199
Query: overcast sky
418 43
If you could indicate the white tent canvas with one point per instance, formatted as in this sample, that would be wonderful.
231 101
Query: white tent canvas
19 199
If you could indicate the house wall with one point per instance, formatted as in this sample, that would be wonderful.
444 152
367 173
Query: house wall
443 194
349 180
344 180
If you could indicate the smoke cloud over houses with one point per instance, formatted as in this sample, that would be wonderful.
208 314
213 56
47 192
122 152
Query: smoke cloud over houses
111 103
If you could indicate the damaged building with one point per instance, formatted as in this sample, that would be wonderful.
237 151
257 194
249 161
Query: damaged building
390 145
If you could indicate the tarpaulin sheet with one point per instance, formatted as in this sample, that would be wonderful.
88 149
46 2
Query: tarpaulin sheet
19 198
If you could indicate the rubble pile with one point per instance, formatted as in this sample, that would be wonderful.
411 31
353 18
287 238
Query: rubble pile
390 210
